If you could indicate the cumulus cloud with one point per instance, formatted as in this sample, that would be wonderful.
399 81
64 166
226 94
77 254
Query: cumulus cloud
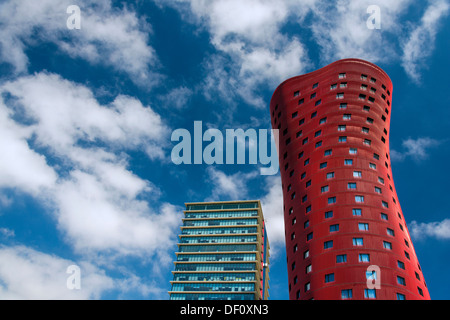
229 187
252 51
70 151
417 149
108 36
272 206
420 43
439 230
33 275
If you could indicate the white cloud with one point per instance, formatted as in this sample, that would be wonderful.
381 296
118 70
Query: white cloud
228 187
7 233
108 36
78 166
439 230
420 43
33 275
252 50
272 206
416 149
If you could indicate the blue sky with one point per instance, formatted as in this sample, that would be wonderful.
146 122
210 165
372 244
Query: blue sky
86 117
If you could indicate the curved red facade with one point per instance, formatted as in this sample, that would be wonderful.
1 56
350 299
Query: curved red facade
342 214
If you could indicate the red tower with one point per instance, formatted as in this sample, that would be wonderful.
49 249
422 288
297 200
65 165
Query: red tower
346 236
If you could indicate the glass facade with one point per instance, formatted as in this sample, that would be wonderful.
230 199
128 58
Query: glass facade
223 253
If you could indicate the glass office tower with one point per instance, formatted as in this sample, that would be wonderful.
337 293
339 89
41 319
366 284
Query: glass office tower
223 253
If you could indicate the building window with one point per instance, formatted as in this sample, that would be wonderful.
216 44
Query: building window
308 269
315 85
357 174
358 242
364 87
387 245
378 190
364 257
328 214
313 115
384 204
342 258
357 212
305 141
332 200
353 151
342 139
328 244
367 142
306 224
302 121
340 95
365 130
346 294
342 75
348 162
334 228
304 198
308 209
306 162
299 134
308 183
359 199
401 265
329 277
380 180
384 216
328 152
342 128
324 189
363 226
303 176
306 254
366 108
347 116
323 120
296 93
343 106
323 165
318 144
307 287
401 281
420 291
313 95
362 96
343 85
390 232
330 175
318 102
401 296
333 86
364 77
297 295
370 294
376 156
373 166
369 120
294 115
351 185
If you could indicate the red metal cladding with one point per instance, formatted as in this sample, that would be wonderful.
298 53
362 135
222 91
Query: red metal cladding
342 214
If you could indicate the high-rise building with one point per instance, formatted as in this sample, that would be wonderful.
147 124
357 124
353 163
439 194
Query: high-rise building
223 253
346 236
